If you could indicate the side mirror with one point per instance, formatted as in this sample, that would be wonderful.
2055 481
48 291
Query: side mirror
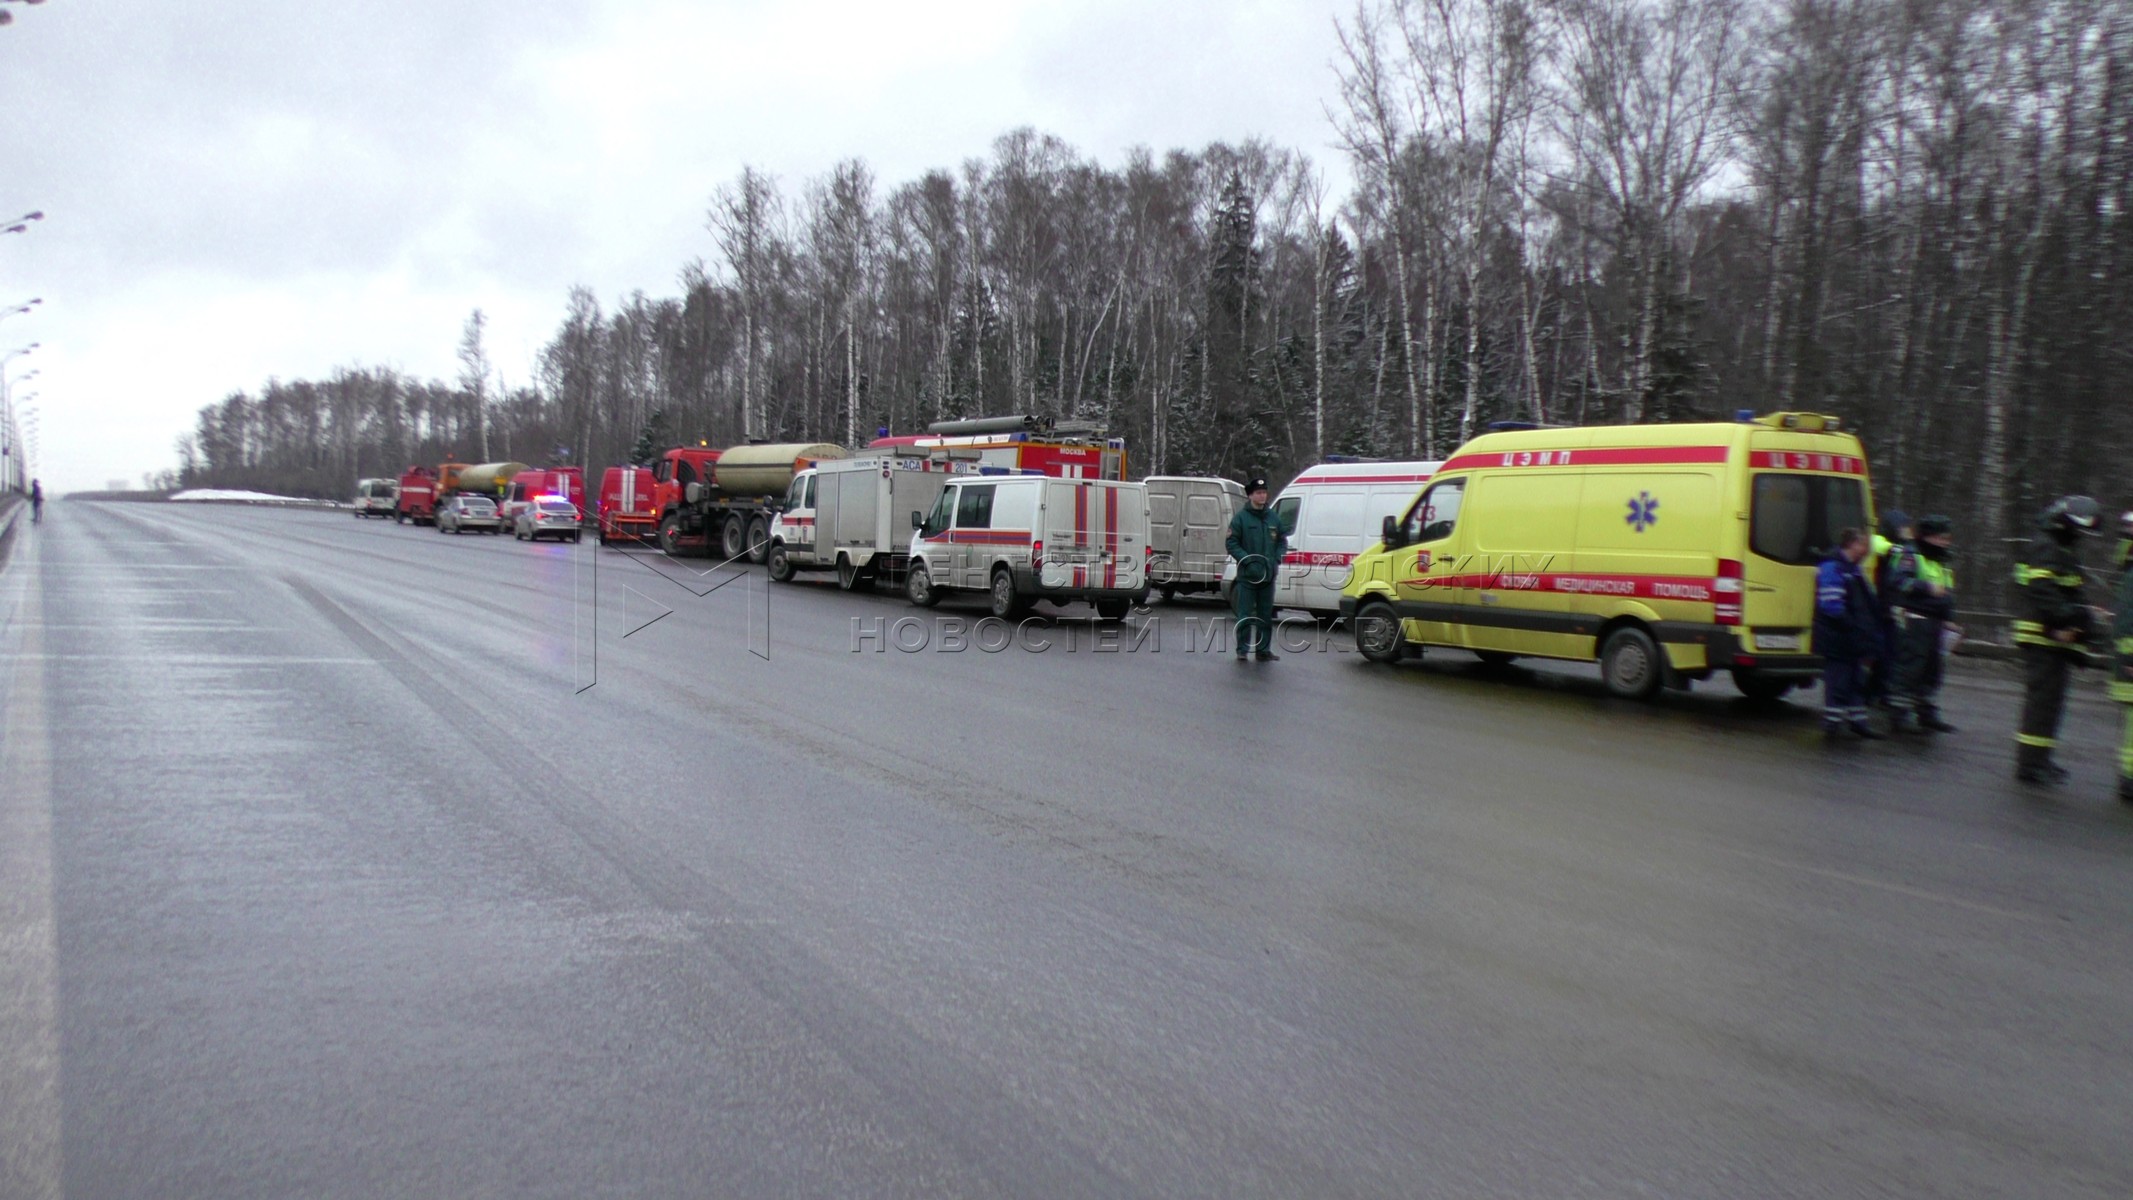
1391 532
918 519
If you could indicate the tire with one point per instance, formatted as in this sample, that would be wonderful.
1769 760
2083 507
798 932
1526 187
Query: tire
1631 664
847 574
733 537
780 563
1169 594
1495 658
574 538
1761 688
758 538
399 518
1113 610
918 587
1378 636
1005 604
669 535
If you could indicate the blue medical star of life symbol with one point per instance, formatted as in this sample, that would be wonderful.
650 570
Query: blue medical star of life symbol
1643 512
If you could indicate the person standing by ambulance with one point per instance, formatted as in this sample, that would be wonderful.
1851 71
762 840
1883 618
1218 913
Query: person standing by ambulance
2122 681
1847 635
1890 557
1921 589
2054 622
1256 541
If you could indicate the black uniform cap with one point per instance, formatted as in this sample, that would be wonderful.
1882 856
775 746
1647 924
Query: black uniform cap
1258 484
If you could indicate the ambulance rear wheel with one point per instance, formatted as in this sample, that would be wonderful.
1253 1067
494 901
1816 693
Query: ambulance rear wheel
1377 633
758 538
1005 604
918 587
780 564
1630 664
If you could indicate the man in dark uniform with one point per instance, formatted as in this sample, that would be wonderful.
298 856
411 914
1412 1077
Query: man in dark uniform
1256 541
2054 621
36 501
1921 589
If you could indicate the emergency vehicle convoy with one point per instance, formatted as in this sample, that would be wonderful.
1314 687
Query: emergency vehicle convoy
1664 552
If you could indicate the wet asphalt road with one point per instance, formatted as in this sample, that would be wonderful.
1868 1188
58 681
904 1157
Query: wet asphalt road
323 873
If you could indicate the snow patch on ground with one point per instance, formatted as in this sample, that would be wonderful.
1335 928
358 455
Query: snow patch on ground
237 494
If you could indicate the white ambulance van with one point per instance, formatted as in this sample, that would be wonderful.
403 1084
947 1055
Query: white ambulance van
1020 538
1334 511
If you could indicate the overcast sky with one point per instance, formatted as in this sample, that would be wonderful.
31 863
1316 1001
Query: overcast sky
242 189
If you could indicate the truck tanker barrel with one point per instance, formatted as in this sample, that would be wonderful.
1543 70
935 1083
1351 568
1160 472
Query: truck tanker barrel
489 479
976 425
768 470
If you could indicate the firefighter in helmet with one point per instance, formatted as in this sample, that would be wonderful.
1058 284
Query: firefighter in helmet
2054 620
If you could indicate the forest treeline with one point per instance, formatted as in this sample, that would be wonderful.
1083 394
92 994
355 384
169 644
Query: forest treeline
1911 213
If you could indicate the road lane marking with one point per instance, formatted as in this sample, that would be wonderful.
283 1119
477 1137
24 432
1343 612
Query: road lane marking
29 984
1901 889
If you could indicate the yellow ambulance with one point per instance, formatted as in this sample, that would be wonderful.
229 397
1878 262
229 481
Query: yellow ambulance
1664 552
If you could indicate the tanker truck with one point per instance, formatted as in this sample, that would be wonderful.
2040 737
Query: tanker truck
720 502
422 489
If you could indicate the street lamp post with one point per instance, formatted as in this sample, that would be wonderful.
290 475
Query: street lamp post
16 309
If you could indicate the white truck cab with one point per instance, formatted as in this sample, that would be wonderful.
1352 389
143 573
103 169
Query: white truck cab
1020 538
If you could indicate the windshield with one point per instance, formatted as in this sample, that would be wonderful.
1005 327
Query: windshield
551 504
478 504
1795 519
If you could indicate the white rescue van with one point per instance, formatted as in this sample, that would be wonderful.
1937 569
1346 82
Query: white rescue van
1334 511
1017 539
1188 527
853 515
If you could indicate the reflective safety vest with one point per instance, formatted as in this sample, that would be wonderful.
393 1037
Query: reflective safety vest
2062 584
1941 573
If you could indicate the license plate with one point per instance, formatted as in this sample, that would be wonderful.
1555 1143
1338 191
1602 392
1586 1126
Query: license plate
1777 641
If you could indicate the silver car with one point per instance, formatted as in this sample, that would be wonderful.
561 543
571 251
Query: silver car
547 516
463 513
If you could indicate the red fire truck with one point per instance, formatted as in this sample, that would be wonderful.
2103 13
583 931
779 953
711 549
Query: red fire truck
1065 450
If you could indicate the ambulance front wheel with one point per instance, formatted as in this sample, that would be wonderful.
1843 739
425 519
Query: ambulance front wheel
918 586
781 568
1377 633
1630 663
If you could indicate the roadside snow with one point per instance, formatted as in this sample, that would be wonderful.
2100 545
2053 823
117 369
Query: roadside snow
236 494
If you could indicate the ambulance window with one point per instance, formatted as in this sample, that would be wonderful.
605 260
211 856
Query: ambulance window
1437 512
937 521
796 495
1795 518
1285 512
974 511
811 481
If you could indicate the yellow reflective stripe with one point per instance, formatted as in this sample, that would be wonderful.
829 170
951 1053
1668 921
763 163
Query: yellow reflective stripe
2068 580
2122 692
2125 645
2031 739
